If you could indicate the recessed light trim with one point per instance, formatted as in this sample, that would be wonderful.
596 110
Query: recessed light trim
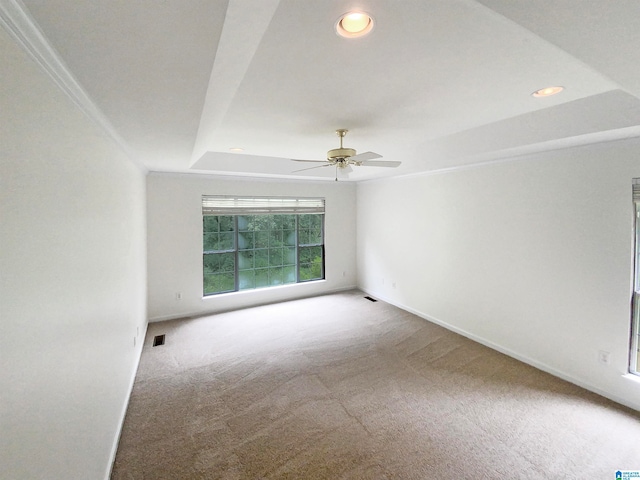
236 149
547 92
354 24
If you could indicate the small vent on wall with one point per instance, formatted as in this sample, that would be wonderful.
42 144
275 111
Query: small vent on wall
158 340
371 299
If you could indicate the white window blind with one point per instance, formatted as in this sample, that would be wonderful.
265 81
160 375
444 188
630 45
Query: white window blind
636 190
231 205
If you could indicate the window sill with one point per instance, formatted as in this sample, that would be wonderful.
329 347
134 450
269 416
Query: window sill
261 290
632 377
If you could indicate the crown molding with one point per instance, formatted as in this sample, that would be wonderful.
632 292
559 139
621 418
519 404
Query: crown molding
18 22
525 152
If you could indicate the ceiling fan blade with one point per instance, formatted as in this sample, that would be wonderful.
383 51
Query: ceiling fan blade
387 163
361 157
310 161
311 168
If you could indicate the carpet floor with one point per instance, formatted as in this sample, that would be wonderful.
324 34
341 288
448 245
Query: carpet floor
339 387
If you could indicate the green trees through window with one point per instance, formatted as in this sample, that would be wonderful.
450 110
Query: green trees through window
243 252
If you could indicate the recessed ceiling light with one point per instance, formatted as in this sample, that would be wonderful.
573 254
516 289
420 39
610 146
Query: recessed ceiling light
354 24
236 149
547 92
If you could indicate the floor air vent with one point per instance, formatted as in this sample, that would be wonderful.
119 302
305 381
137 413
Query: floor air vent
158 340
371 299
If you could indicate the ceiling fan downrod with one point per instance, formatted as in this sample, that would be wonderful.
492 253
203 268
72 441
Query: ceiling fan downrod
341 152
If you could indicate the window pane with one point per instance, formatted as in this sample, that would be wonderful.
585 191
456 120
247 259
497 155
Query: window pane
304 255
635 338
210 285
243 223
310 259
634 353
315 236
226 241
310 271
223 282
315 221
303 237
275 257
227 262
246 240
289 222
262 277
247 280
315 253
290 256
275 239
289 274
261 258
209 224
245 260
262 239
276 276
211 263
226 223
289 237
228 281
210 241
304 221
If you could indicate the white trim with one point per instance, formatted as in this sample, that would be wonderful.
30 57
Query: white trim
529 361
523 152
18 22
631 377
125 406
247 178
165 318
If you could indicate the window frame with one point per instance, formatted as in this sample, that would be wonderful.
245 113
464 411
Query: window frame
235 207
634 341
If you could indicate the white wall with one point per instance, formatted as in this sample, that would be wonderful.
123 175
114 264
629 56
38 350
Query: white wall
174 226
72 280
532 257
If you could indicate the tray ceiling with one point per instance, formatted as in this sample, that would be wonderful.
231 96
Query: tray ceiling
437 84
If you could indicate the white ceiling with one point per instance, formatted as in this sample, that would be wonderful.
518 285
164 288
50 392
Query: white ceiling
437 84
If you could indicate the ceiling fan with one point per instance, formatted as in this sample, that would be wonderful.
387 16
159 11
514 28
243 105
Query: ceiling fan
342 158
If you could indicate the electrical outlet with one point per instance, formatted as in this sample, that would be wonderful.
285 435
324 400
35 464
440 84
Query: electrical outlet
604 357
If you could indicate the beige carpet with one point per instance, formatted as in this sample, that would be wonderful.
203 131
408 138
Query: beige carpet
338 387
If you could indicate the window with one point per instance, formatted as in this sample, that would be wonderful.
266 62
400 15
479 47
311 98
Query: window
634 363
251 243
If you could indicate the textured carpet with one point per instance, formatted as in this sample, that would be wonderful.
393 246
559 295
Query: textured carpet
338 387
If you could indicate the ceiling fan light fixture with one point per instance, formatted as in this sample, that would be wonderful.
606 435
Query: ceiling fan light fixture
354 24
547 92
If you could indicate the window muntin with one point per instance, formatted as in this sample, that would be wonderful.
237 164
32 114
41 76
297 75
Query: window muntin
257 250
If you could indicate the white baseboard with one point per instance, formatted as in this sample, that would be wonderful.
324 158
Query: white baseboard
164 318
513 354
125 406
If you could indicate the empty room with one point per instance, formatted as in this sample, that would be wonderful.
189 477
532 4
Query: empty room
304 239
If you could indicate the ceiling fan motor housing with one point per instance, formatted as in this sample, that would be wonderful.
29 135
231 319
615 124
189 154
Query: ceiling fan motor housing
340 153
